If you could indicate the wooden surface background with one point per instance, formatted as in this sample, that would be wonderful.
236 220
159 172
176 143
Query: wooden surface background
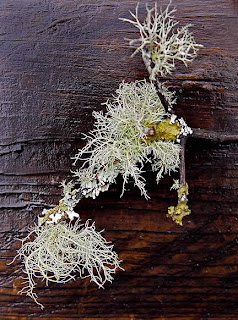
60 59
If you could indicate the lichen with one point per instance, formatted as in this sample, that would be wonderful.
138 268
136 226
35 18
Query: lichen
117 144
65 209
181 210
164 130
137 128
59 253
160 43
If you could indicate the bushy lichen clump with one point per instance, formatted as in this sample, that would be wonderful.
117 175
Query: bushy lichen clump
58 253
160 43
120 141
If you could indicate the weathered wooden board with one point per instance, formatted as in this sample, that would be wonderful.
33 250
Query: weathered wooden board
60 59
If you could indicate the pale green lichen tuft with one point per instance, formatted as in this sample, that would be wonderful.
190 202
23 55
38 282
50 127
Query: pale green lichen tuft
118 144
176 184
160 42
58 253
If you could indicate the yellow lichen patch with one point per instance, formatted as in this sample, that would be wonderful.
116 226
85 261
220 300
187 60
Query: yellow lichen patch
163 131
61 207
181 210
167 131
183 191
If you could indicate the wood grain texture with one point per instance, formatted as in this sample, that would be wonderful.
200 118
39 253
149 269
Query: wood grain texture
60 59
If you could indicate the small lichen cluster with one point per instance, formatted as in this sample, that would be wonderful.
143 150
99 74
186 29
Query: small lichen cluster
181 210
65 209
159 43
61 252
121 144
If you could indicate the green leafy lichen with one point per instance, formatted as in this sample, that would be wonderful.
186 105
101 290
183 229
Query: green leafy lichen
181 210
163 131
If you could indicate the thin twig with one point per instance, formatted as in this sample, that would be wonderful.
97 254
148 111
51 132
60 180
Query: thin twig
197 132
213 135
182 170
163 99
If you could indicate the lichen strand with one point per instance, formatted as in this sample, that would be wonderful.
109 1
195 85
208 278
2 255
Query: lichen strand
58 253
181 210
160 42
117 144
65 209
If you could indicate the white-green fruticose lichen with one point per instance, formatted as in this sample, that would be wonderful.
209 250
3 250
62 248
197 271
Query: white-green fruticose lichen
136 129
59 253
160 43
65 209
119 142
